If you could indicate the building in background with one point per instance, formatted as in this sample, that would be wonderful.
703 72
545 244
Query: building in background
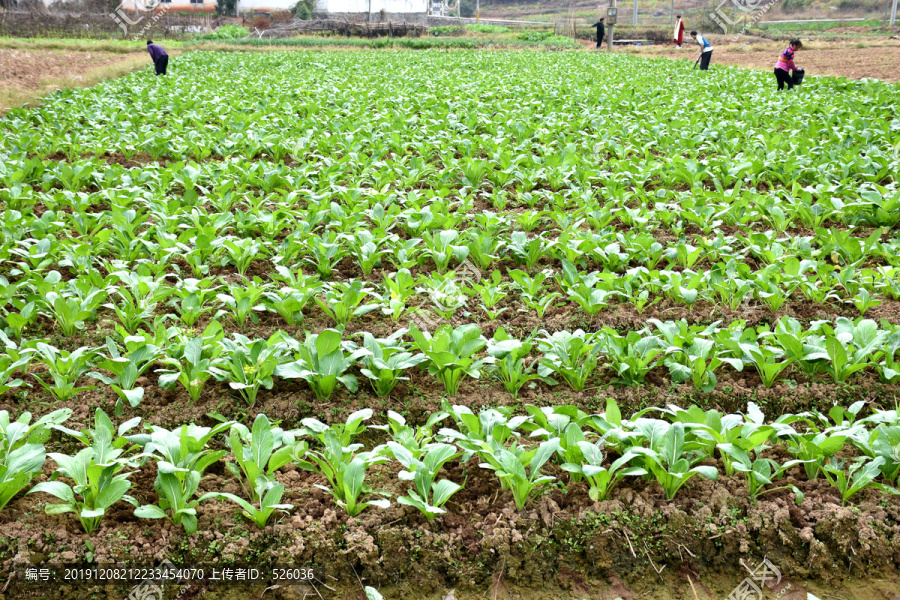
392 10
144 6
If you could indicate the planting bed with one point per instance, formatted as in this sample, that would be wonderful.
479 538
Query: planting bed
371 259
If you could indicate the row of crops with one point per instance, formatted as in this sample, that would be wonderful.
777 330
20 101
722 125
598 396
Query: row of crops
601 449
672 271
404 273
690 353
586 252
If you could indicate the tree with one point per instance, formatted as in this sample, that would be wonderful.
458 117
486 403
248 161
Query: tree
226 7
304 9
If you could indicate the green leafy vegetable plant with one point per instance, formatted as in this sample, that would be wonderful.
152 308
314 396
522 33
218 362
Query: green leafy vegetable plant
322 361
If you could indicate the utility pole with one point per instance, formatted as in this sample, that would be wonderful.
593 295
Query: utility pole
634 16
894 13
611 21
672 14
478 11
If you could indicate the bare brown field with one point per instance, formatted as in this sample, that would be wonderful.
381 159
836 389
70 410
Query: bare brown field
877 60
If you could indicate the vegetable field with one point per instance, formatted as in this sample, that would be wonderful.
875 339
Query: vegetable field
550 324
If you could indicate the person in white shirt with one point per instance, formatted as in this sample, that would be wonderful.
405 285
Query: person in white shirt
705 50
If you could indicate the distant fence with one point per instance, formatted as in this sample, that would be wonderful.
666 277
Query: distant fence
815 21
167 24
435 21
565 27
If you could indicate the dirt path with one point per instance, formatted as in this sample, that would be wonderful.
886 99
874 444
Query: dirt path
878 60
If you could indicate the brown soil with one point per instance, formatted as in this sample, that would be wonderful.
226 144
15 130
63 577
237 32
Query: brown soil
563 546
30 69
843 59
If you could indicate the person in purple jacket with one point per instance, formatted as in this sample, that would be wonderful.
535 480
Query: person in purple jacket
159 56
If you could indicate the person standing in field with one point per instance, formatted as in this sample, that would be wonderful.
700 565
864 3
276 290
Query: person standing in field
786 64
705 50
678 36
159 56
601 31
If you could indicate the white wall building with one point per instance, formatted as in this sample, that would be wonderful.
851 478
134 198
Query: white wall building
182 5
245 6
360 6
340 7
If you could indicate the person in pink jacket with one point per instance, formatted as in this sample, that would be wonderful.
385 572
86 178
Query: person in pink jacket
786 64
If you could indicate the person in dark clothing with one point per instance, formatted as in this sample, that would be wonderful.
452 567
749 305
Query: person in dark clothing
705 50
601 31
159 56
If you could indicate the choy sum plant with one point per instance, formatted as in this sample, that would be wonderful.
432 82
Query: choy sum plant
760 472
192 362
22 451
126 370
851 477
65 368
426 495
602 479
322 361
249 366
451 353
343 302
343 467
181 459
386 361
668 458
258 453
520 468
572 356
416 440
96 472
337 458
510 366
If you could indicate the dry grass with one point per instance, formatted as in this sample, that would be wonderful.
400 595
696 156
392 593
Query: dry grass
112 46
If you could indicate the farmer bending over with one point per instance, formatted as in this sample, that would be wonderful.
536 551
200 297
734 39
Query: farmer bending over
785 64
705 50
159 56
